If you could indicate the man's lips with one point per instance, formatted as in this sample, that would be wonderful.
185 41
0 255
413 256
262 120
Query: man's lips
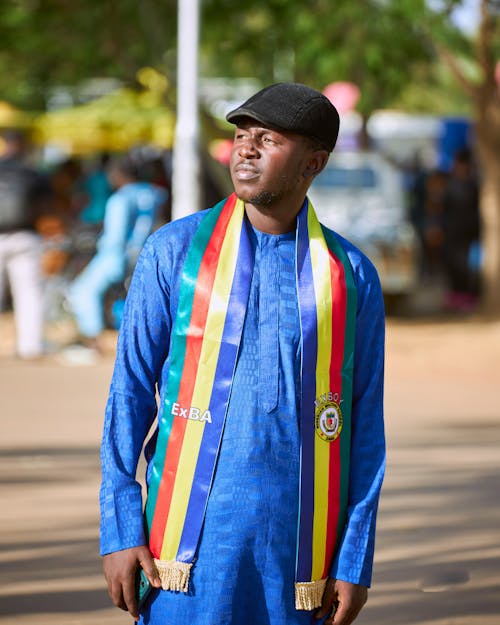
243 171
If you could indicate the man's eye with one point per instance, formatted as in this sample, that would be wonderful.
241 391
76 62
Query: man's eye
267 139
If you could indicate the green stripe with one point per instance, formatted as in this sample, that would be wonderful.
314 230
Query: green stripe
347 377
178 347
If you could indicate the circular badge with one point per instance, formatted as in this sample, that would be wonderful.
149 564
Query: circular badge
328 421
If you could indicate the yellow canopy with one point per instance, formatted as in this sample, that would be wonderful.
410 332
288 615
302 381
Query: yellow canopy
11 117
115 122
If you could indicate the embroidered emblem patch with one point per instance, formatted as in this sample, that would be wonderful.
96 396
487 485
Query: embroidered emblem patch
328 419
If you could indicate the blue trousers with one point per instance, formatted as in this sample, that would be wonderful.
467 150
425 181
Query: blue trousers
87 292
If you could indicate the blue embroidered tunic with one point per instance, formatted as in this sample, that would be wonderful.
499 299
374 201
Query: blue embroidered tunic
245 565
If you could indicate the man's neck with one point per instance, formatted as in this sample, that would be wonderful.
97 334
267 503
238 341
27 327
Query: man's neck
272 220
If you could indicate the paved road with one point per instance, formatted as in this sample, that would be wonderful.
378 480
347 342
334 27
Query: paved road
438 556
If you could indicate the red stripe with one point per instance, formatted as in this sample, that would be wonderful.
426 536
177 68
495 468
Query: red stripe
194 341
339 302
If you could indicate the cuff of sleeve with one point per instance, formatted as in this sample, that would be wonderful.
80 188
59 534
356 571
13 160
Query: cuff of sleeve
354 560
122 523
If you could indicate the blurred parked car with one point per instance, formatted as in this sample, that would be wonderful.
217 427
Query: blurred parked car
360 195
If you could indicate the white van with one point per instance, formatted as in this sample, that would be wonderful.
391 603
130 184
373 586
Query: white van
360 195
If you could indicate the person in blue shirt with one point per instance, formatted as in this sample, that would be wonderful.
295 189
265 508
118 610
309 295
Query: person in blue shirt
244 567
131 214
96 185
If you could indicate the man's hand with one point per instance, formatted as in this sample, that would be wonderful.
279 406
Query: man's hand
120 569
347 600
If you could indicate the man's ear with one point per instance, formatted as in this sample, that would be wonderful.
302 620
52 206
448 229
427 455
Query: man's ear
316 163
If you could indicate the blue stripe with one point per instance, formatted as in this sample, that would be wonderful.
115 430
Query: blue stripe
308 320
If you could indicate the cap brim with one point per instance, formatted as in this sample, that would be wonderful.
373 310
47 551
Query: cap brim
233 117
239 113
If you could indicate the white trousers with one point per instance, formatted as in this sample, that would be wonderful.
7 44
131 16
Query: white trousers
20 261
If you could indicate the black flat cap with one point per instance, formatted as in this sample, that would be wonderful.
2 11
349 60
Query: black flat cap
294 107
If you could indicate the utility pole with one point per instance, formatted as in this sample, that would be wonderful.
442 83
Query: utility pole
186 167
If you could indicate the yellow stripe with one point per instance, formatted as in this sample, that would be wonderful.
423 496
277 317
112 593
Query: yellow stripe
204 381
323 293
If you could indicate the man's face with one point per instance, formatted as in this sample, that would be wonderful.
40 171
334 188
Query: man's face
267 166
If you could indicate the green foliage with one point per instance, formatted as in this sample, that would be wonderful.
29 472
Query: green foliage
46 43
377 44
433 90
384 46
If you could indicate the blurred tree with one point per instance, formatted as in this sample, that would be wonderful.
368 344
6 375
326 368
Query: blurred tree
373 44
384 46
475 63
50 43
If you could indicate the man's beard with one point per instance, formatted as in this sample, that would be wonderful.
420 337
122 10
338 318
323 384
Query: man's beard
264 198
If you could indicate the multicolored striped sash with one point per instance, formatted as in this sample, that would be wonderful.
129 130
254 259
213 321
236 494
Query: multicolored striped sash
212 304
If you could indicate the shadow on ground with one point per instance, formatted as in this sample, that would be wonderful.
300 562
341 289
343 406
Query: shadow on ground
50 562
438 556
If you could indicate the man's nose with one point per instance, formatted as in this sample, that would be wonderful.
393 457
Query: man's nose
248 149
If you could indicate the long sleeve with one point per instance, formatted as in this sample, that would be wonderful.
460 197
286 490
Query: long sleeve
354 559
131 409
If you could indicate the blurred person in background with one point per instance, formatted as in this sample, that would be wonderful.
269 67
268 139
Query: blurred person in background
461 232
130 217
69 198
58 225
432 226
25 196
97 187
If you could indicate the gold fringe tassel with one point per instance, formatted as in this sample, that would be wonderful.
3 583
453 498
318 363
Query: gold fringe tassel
308 595
173 575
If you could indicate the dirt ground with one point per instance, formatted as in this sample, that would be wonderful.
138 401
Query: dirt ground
438 541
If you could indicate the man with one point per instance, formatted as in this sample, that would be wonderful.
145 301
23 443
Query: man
98 189
24 195
263 332
130 216
462 234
